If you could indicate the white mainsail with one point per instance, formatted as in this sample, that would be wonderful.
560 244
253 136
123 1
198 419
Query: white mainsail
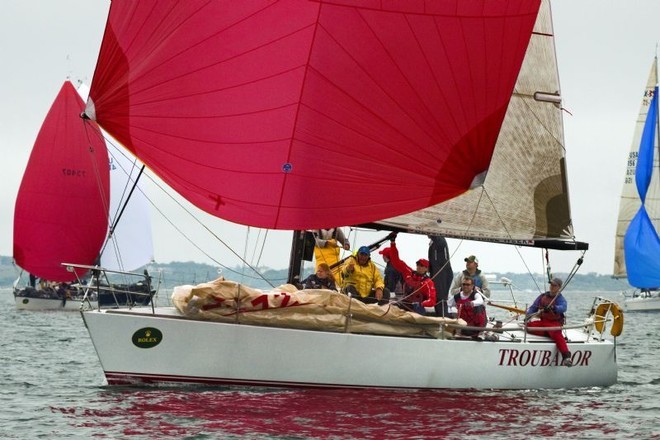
534 205
630 201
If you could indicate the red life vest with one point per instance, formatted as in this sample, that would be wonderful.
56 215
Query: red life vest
474 316
551 315
421 285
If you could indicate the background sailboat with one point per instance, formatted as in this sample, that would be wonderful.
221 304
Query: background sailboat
62 212
637 245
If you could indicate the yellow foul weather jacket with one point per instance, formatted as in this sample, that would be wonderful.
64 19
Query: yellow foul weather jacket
364 278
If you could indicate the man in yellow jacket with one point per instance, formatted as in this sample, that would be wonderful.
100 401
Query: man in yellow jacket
362 279
327 244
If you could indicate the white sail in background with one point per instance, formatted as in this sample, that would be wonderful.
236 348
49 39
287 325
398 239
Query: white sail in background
630 201
131 245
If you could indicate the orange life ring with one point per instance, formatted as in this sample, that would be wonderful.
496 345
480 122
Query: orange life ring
617 323
600 317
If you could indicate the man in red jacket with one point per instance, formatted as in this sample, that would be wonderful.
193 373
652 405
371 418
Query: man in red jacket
418 289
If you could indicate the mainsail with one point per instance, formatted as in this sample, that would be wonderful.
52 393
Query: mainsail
523 199
61 211
297 114
637 247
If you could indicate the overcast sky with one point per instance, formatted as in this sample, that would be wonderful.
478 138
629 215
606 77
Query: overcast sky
604 47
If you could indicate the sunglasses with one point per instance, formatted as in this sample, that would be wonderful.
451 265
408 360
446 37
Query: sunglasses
467 284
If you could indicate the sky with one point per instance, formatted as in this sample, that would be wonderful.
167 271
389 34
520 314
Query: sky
604 50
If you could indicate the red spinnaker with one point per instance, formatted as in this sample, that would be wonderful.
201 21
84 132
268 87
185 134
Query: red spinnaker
61 212
300 114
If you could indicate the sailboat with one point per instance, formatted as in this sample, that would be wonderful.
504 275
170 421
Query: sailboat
637 245
67 174
69 169
431 118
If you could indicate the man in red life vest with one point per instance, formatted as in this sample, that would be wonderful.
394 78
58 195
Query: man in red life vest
468 305
418 288
550 308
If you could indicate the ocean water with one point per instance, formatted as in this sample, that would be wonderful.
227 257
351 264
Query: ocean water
52 386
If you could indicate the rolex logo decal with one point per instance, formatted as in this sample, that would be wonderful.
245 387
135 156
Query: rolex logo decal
147 337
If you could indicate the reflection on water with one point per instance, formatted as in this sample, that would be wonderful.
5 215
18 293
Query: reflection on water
344 414
311 413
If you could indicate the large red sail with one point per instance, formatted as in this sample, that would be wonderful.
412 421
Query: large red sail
61 213
299 114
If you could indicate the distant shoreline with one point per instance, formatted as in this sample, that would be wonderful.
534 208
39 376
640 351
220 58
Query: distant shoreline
179 273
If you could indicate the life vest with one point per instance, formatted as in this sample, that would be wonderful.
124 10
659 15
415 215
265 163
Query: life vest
474 316
314 282
421 285
551 315
476 279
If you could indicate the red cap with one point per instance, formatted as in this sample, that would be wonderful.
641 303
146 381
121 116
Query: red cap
423 262
386 252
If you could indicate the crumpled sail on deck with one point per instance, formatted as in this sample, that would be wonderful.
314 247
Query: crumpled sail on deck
637 246
228 301
61 211
524 198
301 114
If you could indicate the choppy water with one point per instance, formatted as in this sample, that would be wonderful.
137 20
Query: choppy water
52 387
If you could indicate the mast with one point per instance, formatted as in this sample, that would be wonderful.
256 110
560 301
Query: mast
297 255
657 114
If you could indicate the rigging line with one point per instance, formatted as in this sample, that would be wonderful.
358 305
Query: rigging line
120 206
129 175
467 229
263 246
573 271
187 211
474 215
509 235
254 249
153 181
97 174
256 243
128 198
245 250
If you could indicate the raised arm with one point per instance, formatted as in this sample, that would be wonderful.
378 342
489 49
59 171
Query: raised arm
399 265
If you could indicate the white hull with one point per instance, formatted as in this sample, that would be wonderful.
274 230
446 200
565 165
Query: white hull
642 304
28 303
190 351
